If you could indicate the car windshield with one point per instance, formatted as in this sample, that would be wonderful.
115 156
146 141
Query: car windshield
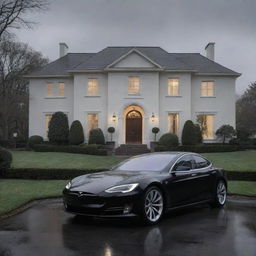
150 163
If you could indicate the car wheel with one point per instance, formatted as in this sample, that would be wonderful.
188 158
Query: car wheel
153 205
220 194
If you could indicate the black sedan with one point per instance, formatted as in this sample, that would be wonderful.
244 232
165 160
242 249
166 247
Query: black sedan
147 186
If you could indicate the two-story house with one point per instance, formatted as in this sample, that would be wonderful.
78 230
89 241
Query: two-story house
134 89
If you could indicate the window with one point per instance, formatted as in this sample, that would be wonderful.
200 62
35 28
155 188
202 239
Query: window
206 123
62 89
173 87
184 164
133 85
93 122
173 123
49 89
48 118
200 162
207 89
93 87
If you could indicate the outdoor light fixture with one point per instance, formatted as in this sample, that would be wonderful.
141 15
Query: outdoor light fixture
114 117
153 117
15 134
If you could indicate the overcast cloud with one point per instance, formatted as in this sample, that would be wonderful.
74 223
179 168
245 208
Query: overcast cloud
174 25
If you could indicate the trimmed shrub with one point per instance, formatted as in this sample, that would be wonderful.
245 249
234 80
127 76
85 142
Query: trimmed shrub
226 131
76 133
111 130
85 149
188 133
169 140
155 130
34 140
96 136
198 133
58 128
5 160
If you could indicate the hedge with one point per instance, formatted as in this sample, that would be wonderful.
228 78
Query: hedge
46 174
59 174
85 149
199 148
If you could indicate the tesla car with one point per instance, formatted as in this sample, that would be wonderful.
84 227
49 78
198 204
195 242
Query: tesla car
147 186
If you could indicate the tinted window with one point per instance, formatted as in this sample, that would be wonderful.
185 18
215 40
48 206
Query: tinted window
201 162
184 164
149 163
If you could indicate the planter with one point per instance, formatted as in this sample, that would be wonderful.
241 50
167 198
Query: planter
110 145
153 144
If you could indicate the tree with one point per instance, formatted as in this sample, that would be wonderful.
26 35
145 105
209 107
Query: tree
155 130
76 133
188 133
13 12
16 60
246 111
226 131
58 128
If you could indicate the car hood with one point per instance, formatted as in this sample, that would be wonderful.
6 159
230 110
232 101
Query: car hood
99 182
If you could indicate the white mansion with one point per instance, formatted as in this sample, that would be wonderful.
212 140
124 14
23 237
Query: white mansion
134 89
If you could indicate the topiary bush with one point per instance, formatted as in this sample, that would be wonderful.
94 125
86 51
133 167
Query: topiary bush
168 140
96 136
155 130
76 133
58 128
5 160
188 133
34 140
198 134
111 130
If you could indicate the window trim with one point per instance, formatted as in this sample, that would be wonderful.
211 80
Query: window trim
214 116
168 117
213 89
139 89
87 120
87 87
55 87
176 95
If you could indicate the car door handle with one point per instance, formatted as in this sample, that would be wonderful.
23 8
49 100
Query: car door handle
193 174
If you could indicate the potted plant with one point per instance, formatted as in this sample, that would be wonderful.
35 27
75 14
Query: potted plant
111 143
154 143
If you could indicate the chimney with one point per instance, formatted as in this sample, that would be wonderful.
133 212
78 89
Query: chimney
209 50
63 49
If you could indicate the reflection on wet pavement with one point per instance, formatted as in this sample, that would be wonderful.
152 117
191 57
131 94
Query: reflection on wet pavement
45 229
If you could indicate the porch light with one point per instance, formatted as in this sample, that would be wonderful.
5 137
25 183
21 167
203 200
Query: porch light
153 117
114 117
15 134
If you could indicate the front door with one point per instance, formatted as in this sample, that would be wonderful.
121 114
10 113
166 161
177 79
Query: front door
133 127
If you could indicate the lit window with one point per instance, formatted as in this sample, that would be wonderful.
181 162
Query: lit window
133 85
62 89
207 89
93 121
173 87
48 118
93 87
173 123
206 123
49 89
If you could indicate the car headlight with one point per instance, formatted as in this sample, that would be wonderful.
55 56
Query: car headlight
68 186
122 188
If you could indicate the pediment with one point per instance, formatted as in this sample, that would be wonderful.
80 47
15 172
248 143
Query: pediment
134 59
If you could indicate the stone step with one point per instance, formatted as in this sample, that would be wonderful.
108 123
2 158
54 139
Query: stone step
131 149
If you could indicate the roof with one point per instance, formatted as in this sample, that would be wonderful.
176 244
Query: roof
79 62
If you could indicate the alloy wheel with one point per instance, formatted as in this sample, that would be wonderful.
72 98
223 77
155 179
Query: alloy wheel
221 193
153 205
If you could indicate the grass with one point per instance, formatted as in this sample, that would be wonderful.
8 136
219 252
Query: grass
247 188
29 159
234 161
14 193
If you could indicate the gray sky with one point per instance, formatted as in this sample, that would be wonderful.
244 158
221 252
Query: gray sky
174 25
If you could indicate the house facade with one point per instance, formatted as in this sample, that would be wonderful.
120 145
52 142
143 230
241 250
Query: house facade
134 89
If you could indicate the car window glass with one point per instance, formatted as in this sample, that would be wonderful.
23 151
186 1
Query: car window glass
184 164
200 162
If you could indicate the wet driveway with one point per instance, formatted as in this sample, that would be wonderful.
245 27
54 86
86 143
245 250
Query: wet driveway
45 229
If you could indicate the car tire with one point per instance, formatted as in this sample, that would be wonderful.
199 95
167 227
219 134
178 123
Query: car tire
152 206
220 195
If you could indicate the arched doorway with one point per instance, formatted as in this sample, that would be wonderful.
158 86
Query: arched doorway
133 127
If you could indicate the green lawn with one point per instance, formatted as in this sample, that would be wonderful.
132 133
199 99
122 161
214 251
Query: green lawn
14 193
234 161
247 188
30 159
